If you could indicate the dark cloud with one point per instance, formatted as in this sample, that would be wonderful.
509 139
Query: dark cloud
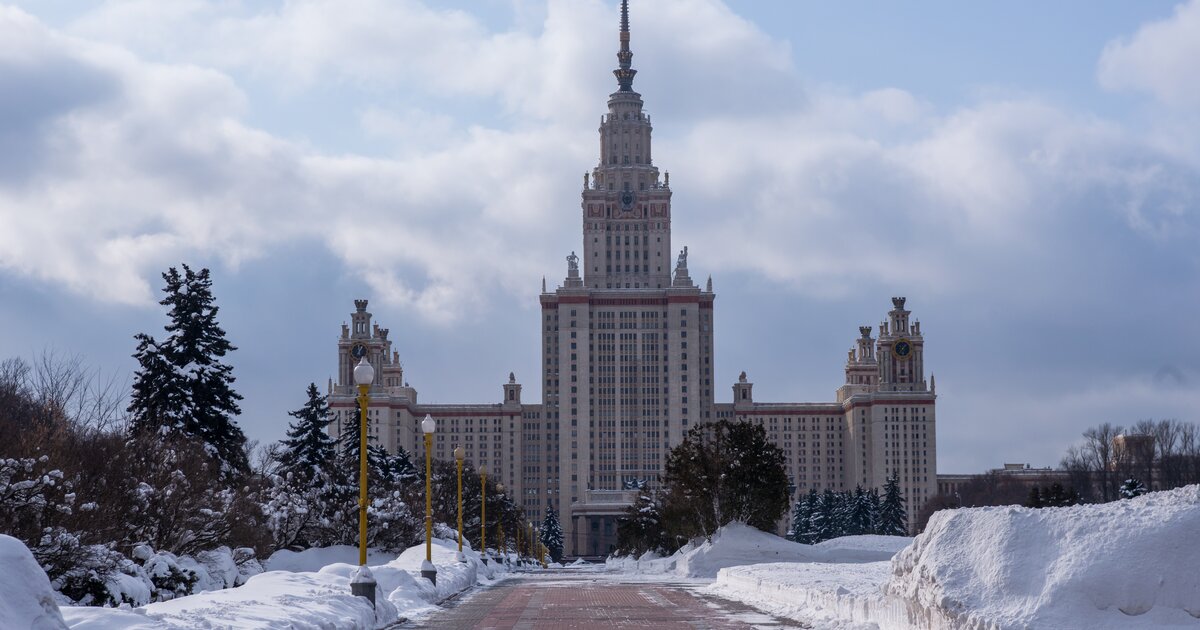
38 92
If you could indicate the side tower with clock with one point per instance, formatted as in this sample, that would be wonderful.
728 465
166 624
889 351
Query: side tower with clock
901 352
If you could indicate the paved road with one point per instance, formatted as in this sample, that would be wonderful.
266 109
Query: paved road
567 600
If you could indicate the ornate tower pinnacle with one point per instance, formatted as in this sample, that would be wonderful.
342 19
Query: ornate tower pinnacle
625 56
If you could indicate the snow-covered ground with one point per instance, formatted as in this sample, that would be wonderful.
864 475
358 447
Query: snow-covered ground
737 544
314 559
1123 565
306 599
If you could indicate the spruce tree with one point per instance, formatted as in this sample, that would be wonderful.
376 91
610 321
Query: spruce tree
182 386
860 518
825 517
875 506
378 460
308 450
640 529
893 519
1132 488
800 530
401 468
1035 498
552 534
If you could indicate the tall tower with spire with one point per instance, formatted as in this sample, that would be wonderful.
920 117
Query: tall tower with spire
626 207
627 339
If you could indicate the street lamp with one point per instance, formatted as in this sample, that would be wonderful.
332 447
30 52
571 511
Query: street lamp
363 582
458 458
532 542
427 569
483 514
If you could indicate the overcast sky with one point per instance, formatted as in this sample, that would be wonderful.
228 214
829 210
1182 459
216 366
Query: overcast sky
1026 174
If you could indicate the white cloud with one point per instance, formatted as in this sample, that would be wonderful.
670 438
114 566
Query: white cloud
822 191
1162 58
846 193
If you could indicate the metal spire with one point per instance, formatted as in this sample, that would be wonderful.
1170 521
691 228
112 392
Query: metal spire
625 56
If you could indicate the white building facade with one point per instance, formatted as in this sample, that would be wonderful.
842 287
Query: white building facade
627 369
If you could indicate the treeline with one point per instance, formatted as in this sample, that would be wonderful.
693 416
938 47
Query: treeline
101 480
823 516
1169 458
1111 462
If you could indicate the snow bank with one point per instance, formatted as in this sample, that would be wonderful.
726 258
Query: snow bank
317 557
306 599
837 595
738 544
26 599
1127 564
878 547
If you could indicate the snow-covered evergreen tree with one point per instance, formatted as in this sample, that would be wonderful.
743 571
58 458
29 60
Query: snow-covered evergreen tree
825 518
641 528
893 519
860 519
552 534
801 528
401 468
182 386
1132 488
378 460
308 451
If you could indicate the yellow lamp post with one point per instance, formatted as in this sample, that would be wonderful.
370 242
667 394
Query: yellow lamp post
519 528
458 459
532 542
363 583
483 514
427 569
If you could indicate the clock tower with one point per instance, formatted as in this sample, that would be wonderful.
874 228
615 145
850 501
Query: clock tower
901 352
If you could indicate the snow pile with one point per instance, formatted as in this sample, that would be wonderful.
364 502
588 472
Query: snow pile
26 599
1126 564
270 600
837 595
317 557
738 544
305 599
872 547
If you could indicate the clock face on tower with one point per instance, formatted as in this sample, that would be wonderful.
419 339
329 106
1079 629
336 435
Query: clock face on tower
903 348
358 351
627 199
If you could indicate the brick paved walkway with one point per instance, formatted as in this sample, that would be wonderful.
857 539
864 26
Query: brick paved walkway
555 602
